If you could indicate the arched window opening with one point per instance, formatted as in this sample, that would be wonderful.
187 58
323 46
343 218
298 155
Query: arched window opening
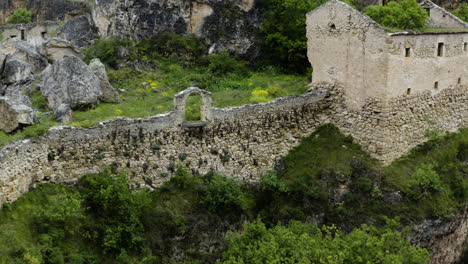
193 108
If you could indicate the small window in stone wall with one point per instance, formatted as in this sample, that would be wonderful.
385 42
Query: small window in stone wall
440 49
44 35
436 85
332 27
22 35
13 36
407 52
428 11
408 91
459 81
465 46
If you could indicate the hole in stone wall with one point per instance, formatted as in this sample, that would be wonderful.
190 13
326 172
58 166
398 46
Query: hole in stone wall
459 81
436 85
12 36
440 49
407 52
332 27
408 91
44 35
22 35
428 11
465 46
193 108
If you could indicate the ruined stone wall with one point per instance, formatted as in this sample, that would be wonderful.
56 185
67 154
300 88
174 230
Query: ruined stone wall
347 47
33 33
240 142
441 18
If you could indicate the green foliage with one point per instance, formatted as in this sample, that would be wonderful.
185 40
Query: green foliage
285 32
462 12
189 49
223 64
406 14
301 243
426 180
224 195
20 16
110 51
1 37
117 211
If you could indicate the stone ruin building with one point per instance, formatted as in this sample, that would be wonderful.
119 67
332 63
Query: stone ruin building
349 48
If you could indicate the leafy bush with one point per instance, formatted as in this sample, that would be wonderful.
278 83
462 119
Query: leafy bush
20 16
223 64
187 49
426 180
110 51
224 195
301 243
462 12
407 14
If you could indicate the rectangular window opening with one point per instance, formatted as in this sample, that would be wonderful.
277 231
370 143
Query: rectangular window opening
44 35
459 81
22 34
13 36
428 11
408 91
407 52
465 46
436 85
440 49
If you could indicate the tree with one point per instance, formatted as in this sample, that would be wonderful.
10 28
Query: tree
407 14
462 12
20 16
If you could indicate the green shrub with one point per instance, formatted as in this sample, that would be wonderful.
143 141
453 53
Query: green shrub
187 49
110 51
224 195
462 12
426 180
407 14
302 243
20 16
223 64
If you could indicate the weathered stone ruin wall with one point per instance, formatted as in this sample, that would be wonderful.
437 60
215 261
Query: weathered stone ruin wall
33 33
423 69
441 18
240 142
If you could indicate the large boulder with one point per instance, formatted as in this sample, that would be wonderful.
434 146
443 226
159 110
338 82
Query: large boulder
80 31
15 70
109 94
30 54
14 114
70 81
57 49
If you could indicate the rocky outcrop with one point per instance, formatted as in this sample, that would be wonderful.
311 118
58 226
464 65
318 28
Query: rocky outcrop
231 24
80 31
109 94
56 49
45 10
445 239
70 81
63 113
15 70
14 114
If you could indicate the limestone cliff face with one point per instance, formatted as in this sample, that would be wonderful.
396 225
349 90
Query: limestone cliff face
225 24
45 10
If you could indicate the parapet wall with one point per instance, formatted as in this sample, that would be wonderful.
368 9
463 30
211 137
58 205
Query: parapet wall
240 142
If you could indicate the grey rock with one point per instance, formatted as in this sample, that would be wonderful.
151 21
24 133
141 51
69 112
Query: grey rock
80 31
63 113
72 82
16 70
29 53
14 114
56 49
15 94
109 94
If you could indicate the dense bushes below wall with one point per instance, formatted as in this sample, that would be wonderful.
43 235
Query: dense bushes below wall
326 180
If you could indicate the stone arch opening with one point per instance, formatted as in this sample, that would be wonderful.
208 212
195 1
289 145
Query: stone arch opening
186 101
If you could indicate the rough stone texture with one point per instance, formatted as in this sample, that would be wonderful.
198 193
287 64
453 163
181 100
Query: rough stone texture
72 82
34 33
80 31
347 47
446 240
441 18
13 114
45 10
109 94
231 24
63 113
29 53
16 70
56 49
